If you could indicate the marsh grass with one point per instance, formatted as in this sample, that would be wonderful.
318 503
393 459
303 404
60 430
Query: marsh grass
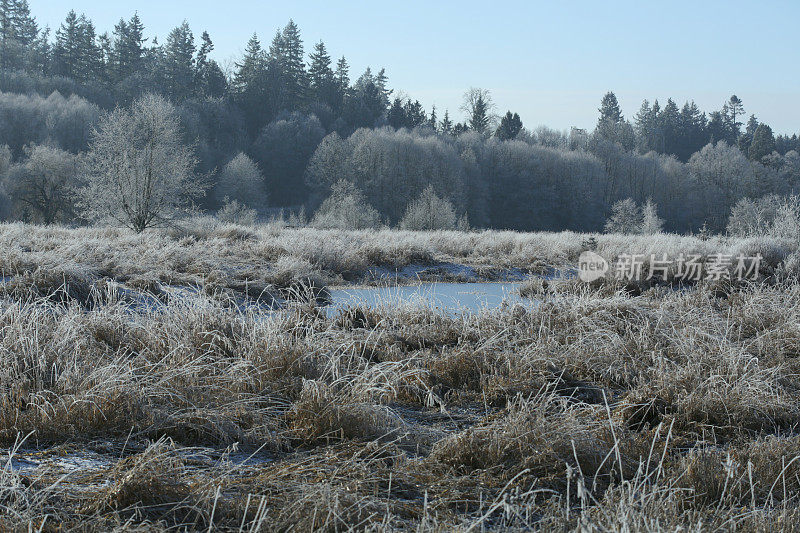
595 409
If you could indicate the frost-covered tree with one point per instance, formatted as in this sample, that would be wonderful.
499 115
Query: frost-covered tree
724 175
241 181
346 208
769 215
5 160
282 152
42 187
328 163
429 212
31 119
140 171
626 217
651 223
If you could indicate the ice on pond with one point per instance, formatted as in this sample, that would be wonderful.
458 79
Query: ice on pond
452 298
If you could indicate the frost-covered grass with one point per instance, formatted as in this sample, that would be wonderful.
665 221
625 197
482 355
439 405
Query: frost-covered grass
594 410
206 252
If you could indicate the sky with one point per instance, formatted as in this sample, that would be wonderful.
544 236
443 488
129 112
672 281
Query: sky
549 61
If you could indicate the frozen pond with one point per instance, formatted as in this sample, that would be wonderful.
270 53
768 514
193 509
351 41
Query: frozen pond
452 298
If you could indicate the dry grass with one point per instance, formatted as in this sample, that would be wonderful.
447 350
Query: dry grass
594 410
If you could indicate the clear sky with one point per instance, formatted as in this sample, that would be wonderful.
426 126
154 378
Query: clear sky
549 61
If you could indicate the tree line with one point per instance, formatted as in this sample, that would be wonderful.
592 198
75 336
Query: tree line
288 129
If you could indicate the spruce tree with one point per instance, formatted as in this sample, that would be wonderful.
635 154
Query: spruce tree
396 117
67 49
251 65
18 32
322 84
209 78
747 137
290 59
612 126
432 119
342 81
609 109
179 63
128 47
643 126
446 125
763 142
509 127
343 74
250 86
669 120
382 83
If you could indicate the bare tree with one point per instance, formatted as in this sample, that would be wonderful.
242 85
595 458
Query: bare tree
140 172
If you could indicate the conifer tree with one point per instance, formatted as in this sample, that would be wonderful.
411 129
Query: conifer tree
322 84
509 127
287 49
446 125
763 142
128 47
735 109
432 120
179 62
209 78
67 50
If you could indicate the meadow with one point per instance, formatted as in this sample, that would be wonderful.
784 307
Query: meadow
595 408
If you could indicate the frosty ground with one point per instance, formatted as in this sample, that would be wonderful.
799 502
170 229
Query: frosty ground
601 407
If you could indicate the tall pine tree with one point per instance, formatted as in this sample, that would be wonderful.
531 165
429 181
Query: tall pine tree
179 63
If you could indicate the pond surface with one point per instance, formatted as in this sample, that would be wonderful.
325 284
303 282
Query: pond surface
451 298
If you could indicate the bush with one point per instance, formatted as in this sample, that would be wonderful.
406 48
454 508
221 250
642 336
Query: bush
236 213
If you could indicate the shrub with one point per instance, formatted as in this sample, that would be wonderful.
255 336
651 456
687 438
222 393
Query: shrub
236 213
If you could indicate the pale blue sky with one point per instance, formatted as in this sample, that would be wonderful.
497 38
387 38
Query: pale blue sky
549 61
